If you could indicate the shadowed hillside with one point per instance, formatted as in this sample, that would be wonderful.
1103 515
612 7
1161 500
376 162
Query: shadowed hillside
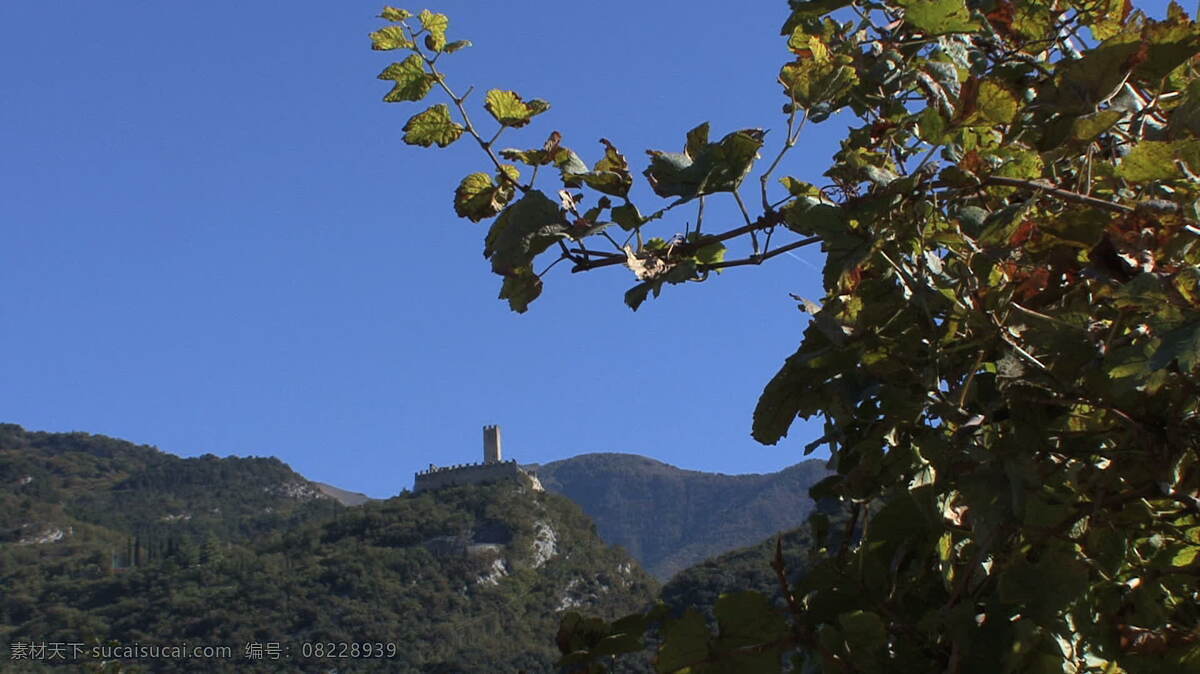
670 518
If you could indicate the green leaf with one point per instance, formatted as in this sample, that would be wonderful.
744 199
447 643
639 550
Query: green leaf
412 82
521 286
1181 345
685 642
1156 160
508 108
456 45
817 76
864 631
1185 118
747 619
1185 556
939 17
611 174
432 126
931 126
635 296
523 230
550 153
704 168
436 25
784 397
809 215
995 103
478 197
711 253
394 14
1088 127
806 10
627 216
390 37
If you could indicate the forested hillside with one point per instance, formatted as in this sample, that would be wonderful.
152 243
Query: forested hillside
671 518
460 579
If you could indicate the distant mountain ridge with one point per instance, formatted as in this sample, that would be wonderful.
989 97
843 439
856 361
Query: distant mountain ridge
670 518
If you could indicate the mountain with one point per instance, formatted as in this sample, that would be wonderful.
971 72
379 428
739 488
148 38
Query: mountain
669 518
76 487
105 542
347 498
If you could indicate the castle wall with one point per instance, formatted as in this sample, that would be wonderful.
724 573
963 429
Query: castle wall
453 476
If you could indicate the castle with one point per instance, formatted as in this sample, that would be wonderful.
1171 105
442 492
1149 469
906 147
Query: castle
493 469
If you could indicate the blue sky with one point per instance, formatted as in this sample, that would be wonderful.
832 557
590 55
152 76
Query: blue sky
214 239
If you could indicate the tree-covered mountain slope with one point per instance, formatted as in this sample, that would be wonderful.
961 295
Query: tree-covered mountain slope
77 487
459 579
669 518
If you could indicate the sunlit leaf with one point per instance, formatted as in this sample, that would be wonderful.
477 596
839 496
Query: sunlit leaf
433 126
412 82
508 108
938 17
435 25
394 14
390 37
479 197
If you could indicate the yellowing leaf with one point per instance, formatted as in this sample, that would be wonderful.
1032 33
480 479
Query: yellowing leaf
1156 160
938 17
478 197
1186 556
432 126
436 25
508 108
390 37
995 103
1087 127
412 82
394 14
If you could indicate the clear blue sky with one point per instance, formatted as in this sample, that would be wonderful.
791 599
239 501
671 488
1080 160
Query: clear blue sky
214 239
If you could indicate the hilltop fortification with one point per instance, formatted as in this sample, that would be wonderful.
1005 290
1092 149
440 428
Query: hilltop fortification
493 469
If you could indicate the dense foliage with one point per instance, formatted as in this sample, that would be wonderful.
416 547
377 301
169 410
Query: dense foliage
460 579
696 515
1007 354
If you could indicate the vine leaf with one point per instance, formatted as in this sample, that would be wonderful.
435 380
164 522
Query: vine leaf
521 286
550 152
394 14
747 619
939 17
611 174
686 642
1180 345
703 167
816 76
390 37
479 197
627 216
508 108
412 82
523 230
435 25
433 126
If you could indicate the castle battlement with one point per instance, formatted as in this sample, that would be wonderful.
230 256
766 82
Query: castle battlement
493 469
433 470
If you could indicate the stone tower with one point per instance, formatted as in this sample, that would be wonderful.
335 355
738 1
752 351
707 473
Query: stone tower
491 444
